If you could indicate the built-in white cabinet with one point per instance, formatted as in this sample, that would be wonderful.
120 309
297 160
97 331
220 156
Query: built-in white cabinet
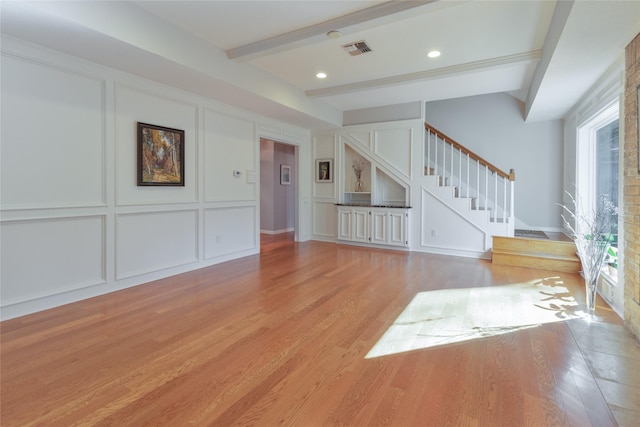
375 225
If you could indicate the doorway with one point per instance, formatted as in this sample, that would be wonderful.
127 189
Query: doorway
278 181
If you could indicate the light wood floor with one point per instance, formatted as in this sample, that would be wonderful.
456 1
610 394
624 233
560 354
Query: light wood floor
280 338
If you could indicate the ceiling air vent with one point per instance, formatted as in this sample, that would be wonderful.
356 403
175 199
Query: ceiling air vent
356 48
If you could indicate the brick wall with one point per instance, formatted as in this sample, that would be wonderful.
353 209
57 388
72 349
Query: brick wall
631 201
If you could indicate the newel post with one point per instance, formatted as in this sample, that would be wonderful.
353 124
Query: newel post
512 181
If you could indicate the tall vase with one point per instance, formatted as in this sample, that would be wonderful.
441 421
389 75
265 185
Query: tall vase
358 187
591 286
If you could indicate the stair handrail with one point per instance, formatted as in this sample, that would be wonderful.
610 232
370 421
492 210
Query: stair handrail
511 176
493 201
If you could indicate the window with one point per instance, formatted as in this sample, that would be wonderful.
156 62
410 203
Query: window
607 167
598 168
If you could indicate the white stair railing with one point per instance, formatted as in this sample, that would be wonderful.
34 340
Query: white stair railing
488 187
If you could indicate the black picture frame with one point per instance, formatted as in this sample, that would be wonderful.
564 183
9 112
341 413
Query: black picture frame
324 170
160 156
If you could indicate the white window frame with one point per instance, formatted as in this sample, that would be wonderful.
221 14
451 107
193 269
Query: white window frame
586 164
586 154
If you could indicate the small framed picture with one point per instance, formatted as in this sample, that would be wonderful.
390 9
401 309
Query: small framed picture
160 155
285 174
324 170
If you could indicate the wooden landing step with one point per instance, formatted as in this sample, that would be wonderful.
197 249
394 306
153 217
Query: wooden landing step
544 254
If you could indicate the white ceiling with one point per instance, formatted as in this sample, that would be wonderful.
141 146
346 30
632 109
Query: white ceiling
263 55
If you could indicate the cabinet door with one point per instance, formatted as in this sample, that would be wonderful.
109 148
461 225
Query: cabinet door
379 227
360 225
345 226
397 228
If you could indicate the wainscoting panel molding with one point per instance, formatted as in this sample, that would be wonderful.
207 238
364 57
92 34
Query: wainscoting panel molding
394 146
325 219
152 241
56 155
226 230
133 106
74 222
50 256
445 231
229 144
324 147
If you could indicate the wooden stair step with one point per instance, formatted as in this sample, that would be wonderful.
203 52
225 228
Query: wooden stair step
538 262
546 246
536 253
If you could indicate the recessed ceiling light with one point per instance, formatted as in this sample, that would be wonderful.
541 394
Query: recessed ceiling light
433 54
333 34
321 75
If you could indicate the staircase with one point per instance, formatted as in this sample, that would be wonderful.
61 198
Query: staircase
536 253
465 188
478 198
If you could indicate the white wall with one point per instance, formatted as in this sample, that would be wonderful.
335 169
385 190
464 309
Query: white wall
75 224
493 127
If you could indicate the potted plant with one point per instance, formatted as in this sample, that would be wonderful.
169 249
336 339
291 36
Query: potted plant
591 231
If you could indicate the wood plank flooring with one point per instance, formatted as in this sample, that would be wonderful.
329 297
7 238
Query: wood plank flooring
280 338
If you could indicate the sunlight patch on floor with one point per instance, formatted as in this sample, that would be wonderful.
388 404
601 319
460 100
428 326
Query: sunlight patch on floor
454 315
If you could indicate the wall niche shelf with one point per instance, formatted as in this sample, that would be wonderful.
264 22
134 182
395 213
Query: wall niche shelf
354 160
378 187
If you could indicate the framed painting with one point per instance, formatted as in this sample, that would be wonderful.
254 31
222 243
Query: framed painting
285 174
160 155
324 170
638 123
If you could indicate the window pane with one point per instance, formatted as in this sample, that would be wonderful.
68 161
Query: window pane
607 160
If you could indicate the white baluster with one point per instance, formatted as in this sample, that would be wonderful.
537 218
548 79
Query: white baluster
467 175
459 172
451 167
444 161
428 160
512 204
495 196
478 182
504 202
435 155
486 189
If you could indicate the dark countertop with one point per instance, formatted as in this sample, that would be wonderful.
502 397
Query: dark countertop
367 205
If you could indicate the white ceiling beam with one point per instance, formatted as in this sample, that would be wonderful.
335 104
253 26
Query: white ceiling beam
558 23
469 67
295 38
